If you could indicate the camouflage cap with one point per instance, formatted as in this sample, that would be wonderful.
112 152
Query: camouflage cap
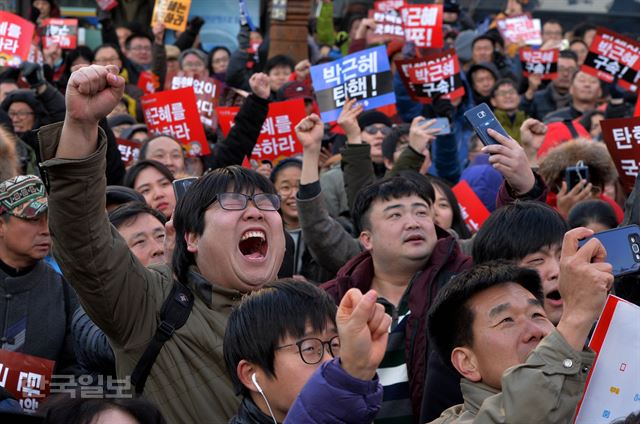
23 197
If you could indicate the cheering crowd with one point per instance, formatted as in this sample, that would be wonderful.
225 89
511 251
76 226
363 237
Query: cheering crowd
350 281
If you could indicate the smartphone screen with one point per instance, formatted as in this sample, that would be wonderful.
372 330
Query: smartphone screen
481 118
575 174
623 248
441 124
181 186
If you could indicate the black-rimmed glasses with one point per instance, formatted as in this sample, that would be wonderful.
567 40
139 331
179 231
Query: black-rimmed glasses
312 349
239 201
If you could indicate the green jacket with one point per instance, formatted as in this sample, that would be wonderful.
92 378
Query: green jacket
189 381
511 127
545 389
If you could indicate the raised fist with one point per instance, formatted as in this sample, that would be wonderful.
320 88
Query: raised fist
93 92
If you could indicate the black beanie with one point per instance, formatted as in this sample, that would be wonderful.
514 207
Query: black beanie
371 117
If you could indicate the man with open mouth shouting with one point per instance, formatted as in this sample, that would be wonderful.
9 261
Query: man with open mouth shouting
229 241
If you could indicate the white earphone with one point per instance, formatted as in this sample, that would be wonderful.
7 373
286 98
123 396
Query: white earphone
254 380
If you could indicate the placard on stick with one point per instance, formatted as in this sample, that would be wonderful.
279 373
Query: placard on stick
423 24
63 32
277 140
26 377
432 76
175 113
614 56
520 29
365 75
540 62
172 13
622 137
15 39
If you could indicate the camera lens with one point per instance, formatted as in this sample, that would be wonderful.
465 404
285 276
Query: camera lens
635 248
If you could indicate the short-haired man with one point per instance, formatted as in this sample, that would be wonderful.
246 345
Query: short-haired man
279 68
556 95
585 92
166 150
490 325
280 335
530 234
36 303
229 241
482 77
407 259
142 228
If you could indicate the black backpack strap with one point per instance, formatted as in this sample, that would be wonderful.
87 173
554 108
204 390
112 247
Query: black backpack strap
173 315
572 128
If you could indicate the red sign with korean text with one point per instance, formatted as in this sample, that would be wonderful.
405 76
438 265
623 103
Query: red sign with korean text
614 56
148 82
432 76
423 25
387 5
388 27
129 151
15 39
208 91
541 62
622 137
63 32
107 4
26 377
175 113
520 29
277 140
474 212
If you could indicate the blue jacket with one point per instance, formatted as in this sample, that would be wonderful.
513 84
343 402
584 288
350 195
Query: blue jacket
333 396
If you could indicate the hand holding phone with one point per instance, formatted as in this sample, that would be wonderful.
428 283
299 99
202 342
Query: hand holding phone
575 174
623 248
481 118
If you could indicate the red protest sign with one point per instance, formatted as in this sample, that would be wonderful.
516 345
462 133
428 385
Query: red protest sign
63 32
129 151
612 55
15 39
622 137
637 112
430 76
208 91
107 4
387 5
520 29
226 115
148 82
26 377
388 27
541 62
277 140
175 113
474 212
423 24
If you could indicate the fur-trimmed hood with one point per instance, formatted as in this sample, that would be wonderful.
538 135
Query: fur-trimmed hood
593 154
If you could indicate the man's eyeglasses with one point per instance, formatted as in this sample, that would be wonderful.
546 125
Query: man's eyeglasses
312 349
239 201
372 129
